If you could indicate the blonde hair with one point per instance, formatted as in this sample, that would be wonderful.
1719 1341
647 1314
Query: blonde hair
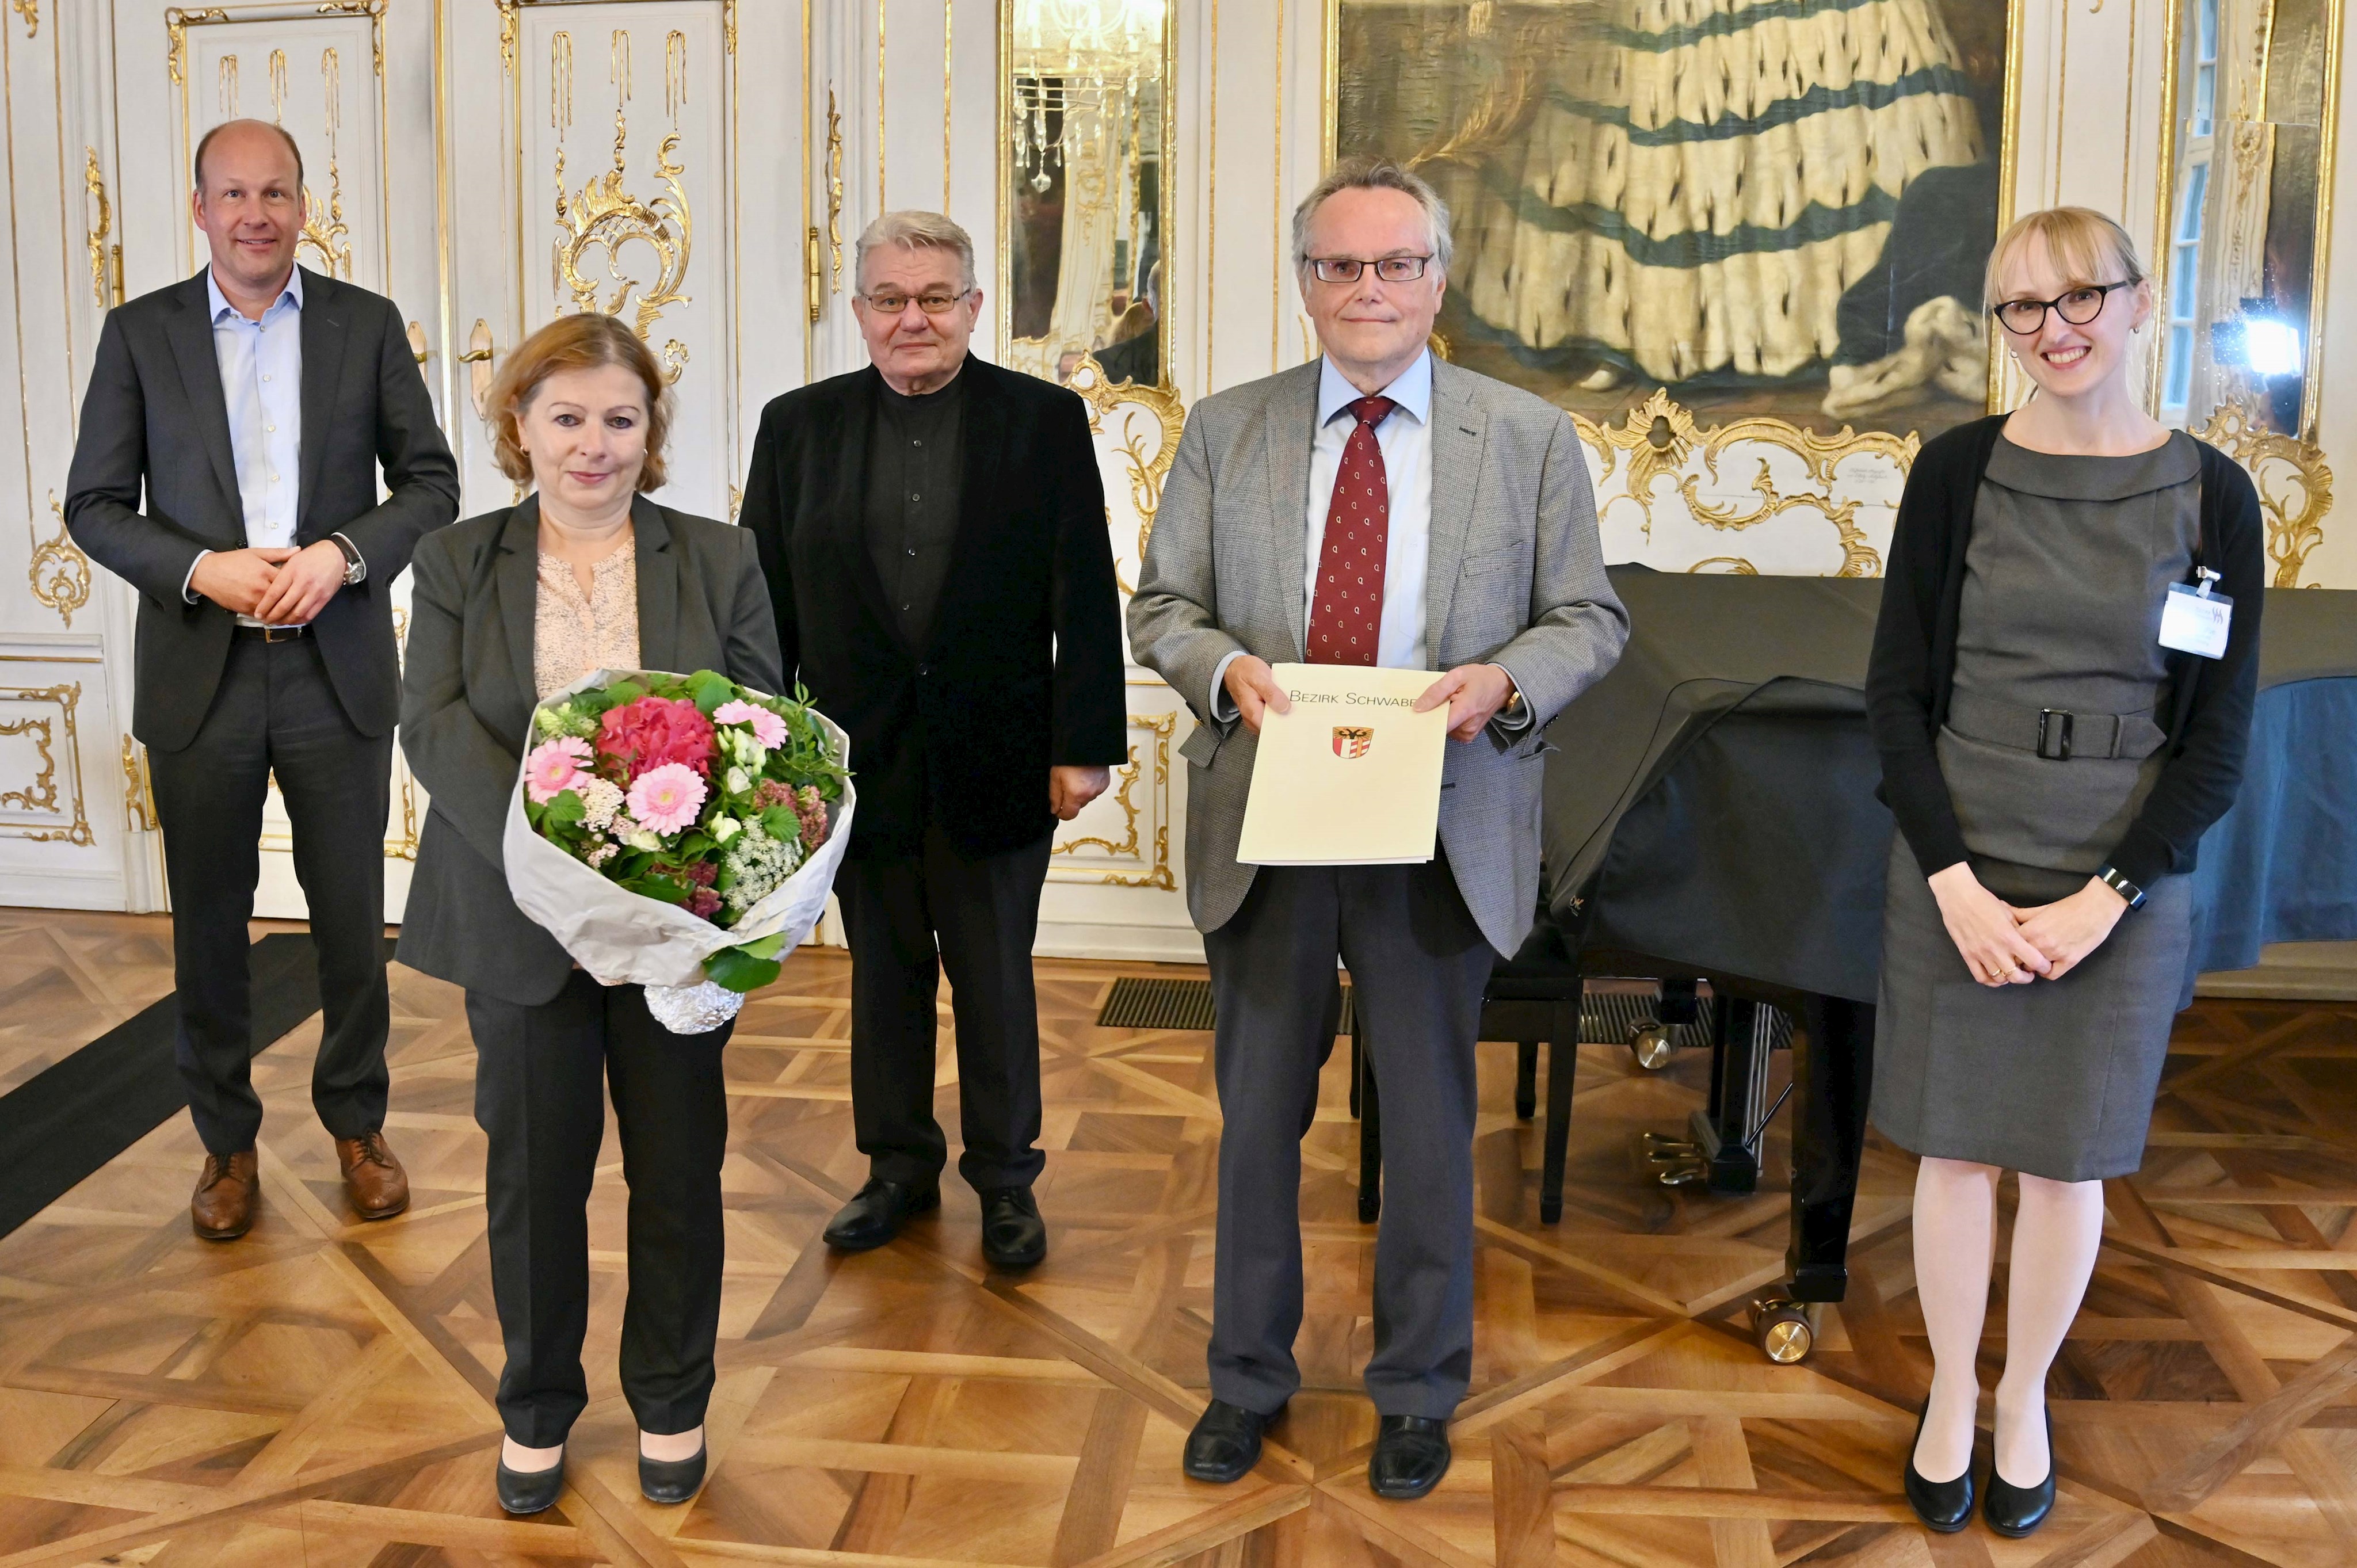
581 342
2084 244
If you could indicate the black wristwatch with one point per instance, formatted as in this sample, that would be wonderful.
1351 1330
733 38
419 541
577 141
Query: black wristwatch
355 567
2110 877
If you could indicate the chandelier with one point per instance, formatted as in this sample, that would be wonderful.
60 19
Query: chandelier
1075 60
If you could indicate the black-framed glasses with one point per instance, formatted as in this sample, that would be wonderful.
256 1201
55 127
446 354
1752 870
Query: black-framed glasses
1347 269
2024 318
892 303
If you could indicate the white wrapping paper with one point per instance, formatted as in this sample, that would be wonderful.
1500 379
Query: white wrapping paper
625 937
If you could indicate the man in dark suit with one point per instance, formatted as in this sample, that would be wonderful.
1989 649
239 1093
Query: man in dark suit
253 402
934 532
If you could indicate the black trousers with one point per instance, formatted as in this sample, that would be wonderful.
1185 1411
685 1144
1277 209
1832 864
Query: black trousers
1418 965
908 918
539 1076
275 713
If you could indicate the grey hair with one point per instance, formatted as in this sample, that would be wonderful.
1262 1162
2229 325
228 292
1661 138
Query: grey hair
913 228
1374 174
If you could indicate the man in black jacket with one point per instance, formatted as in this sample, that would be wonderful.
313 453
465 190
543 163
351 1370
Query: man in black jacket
934 532
252 404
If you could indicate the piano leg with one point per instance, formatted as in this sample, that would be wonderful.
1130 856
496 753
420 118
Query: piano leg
1563 1059
1833 1071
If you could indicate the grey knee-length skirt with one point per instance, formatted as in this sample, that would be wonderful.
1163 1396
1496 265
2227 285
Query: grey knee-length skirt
2055 1078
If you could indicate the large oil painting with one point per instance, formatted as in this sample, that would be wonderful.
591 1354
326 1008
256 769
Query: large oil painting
1773 207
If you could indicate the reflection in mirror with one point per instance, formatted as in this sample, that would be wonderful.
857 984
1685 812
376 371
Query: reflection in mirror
2252 163
1083 148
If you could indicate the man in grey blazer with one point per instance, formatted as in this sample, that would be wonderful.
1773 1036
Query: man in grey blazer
1375 507
249 408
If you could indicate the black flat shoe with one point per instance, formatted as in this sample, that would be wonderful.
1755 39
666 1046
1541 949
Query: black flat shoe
2016 1511
1013 1234
875 1216
1943 1506
1411 1455
671 1480
530 1491
1225 1442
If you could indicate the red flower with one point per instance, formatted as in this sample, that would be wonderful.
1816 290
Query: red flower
703 903
653 731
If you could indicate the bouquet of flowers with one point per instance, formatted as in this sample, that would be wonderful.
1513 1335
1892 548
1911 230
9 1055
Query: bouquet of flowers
678 832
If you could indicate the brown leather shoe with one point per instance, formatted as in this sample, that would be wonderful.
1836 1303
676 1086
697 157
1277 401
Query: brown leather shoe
373 1180
222 1208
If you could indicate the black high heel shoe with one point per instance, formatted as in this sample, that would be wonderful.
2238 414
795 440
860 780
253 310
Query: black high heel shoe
530 1491
1943 1506
2016 1511
671 1480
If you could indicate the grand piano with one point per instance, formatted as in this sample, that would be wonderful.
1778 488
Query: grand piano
1710 816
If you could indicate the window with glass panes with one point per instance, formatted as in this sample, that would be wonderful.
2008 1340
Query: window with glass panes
2193 189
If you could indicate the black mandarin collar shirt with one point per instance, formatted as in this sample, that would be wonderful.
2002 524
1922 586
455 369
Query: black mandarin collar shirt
915 463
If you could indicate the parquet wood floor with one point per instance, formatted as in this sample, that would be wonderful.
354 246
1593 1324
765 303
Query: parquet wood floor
319 1394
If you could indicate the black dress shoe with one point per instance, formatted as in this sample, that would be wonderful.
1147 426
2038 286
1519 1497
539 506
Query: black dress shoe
1225 1442
1943 1506
1411 1455
2016 1511
530 1491
1013 1234
875 1217
671 1480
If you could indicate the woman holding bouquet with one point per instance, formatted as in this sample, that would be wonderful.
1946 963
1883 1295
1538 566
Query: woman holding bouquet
584 574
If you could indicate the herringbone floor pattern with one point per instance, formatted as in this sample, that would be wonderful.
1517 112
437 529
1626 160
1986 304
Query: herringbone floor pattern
318 1392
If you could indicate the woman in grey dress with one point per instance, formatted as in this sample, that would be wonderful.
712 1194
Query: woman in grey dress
2053 746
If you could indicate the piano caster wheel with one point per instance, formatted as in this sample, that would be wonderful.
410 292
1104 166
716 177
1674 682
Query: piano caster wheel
1650 1045
1785 1329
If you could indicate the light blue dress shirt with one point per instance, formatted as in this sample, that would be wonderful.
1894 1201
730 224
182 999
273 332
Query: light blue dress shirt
260 366
1404 439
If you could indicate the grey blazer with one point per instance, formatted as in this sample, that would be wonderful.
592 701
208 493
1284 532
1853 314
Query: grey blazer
468 693
1515 574
154 431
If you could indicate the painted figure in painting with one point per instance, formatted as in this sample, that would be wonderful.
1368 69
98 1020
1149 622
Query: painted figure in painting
1783 204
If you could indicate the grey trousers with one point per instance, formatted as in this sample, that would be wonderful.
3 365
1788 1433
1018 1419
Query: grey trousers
1418 964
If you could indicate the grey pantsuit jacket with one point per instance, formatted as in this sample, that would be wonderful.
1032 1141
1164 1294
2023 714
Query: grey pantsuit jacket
467 702
1514 576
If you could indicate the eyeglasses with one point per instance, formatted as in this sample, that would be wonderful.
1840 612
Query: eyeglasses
2023 317
930 304
1347 269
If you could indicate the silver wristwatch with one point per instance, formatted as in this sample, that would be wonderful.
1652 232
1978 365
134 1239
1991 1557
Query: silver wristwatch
2110 877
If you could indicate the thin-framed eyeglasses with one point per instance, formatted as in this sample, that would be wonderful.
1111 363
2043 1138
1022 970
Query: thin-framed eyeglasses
892 303
1347 269
2025 318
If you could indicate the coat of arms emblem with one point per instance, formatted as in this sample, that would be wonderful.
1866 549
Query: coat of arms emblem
1351 741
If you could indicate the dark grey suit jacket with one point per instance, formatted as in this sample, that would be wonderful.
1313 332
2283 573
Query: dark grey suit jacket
466 711
154 417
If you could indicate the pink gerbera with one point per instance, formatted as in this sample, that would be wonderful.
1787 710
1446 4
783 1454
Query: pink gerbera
767 728
666 798
554 767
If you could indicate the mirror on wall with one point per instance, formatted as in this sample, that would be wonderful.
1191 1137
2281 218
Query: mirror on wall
2242 271
1084 146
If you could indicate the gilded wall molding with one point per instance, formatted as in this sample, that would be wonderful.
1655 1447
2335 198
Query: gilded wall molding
1659 437
138 789
105 257
1125 413
58 571
30 10
2294 483
1132 845
42 795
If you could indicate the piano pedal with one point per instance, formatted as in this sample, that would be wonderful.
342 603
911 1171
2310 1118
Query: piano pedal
1693 1172
1651 1045
1656 1147
1785 1329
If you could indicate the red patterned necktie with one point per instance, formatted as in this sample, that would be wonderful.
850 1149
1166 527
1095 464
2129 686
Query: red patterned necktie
1346 613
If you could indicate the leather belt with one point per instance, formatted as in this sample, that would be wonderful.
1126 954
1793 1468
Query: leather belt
274 633
2055 734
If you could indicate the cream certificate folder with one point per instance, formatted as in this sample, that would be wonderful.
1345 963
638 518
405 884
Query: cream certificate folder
1350 776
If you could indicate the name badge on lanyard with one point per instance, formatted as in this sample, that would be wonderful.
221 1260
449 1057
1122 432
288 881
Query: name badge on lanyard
2195 620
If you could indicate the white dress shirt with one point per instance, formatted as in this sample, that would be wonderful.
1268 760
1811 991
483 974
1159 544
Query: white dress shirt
260 366
1404 439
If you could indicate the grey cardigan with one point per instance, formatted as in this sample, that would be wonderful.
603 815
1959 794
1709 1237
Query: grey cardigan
466 698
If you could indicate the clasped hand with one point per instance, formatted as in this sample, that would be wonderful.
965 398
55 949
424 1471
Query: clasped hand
2006 946
1474 693
274 585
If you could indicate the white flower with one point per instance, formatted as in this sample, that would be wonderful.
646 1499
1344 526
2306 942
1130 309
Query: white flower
738 783
646 839
600 800
725 828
